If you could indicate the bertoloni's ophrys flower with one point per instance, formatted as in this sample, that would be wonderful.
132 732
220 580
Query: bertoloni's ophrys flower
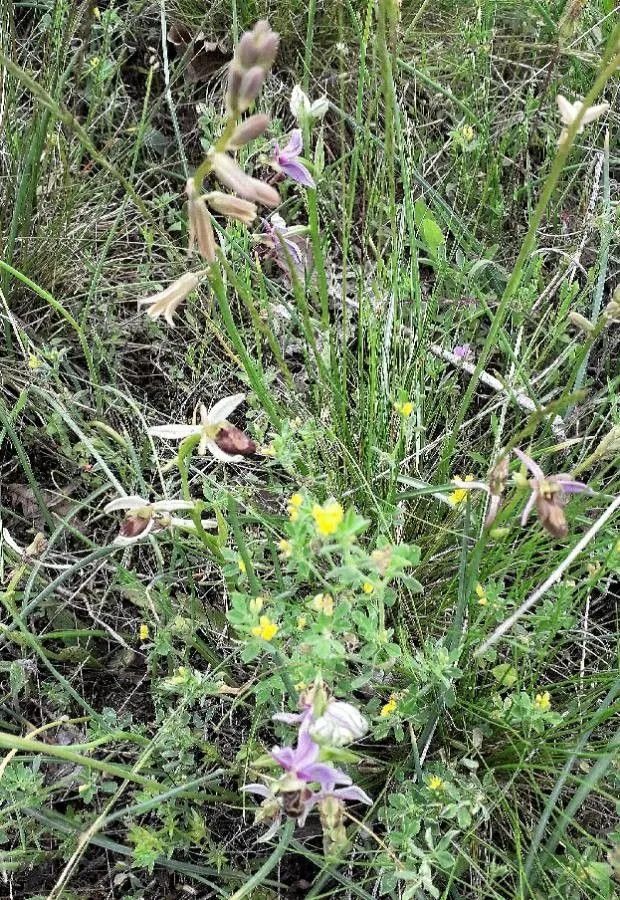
225 442
549 494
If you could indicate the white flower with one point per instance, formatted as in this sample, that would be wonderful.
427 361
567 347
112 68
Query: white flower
569 112
340 724
142 517
210 424
302 108
165 302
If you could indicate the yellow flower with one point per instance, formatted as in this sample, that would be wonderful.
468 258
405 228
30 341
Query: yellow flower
294 505
328 517
543 701
144 632
284 547
302 621
242 567
435 783
482 595
367 587
323 603
468 133
268 450
94 62
405 408
34 362
266 629
457 496
388 708
180 677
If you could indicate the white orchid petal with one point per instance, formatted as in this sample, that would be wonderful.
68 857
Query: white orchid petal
173 432
172 505
220 454
133 501
177 522
224 408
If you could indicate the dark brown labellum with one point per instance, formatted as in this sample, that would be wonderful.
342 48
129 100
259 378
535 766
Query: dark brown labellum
132 526
552 516
293 802
232 440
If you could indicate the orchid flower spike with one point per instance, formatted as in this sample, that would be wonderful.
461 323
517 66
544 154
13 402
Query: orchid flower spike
549 496
286 161
304 109
569 112
142 517
225 442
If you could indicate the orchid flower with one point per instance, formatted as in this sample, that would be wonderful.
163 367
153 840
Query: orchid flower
225 442
569 112
164 303
142 517
495 488
304 109
285 244
549 496
302 767
287 162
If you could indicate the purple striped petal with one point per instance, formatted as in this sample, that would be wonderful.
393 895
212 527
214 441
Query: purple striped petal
295 144
570 486
352 793
325 775
284 756
296 171
529 463
259 789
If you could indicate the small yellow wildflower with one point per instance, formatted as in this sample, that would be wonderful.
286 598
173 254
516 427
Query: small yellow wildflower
268 450
144 632
94 62
96 13
468 133
328 517
34 362
457 496
242 567
388 708
367 587
294 505
180 677
266 629
323 603
284 547
302 621
543 701
482 595
435 783
301 686
405 408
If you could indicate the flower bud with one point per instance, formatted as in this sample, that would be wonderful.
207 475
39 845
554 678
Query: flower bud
235 77
232 176
580 321
232 207
250 87
248 131
200 227
341 724
247 51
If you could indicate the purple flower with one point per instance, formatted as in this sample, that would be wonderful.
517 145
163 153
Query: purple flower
462 351
549 496
287 162
301 765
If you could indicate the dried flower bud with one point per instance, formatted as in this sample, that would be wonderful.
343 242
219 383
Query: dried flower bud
499 476
250 87
232 440
200 227
230 174
248 131
232 207
580 321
